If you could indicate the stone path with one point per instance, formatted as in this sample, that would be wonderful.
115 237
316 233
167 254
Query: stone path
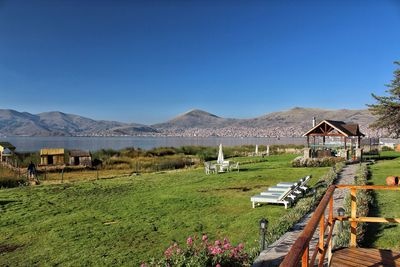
276 252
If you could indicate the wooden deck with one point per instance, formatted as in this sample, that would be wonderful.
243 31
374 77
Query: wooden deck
365 257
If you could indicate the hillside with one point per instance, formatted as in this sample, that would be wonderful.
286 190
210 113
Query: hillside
196 122
302 117
196 119
61 124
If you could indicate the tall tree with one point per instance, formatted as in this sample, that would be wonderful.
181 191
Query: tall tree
387 108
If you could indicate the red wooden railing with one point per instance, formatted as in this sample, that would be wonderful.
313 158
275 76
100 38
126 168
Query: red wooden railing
300 249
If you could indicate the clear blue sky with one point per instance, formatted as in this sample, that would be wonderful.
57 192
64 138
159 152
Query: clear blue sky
147 61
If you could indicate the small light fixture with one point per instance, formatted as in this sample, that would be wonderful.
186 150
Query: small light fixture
263 228
341 211
263 224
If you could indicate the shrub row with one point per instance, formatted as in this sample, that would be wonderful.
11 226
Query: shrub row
364 200
316 162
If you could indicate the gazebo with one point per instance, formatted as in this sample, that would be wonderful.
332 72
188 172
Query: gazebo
341 132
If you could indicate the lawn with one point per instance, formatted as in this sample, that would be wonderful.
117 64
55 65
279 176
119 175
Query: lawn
127 220
387 204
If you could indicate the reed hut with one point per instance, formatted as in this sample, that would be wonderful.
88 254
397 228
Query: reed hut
52 156
80 158
7 150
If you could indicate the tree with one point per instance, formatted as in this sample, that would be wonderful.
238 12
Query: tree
387 108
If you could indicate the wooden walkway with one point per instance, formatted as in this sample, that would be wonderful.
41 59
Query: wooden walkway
365 257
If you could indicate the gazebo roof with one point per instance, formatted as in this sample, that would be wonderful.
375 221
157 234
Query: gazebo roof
334 128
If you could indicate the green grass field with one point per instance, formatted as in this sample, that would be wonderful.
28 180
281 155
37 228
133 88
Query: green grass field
387 204
125 221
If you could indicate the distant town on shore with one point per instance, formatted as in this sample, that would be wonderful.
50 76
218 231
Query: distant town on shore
194 123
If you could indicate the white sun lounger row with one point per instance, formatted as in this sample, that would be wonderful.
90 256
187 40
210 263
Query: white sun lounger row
282 193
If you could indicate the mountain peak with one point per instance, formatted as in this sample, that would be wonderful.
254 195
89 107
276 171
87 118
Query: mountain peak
198 113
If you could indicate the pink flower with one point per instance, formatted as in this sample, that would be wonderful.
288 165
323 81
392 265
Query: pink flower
204 238
216 250
189 241
234 253
218 265
226 241
240 246
227 246
143 265
217 243
168 252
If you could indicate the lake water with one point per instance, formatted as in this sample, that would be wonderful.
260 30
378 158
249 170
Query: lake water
96 143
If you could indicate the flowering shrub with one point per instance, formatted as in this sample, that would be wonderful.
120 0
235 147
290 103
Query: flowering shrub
202 252
316 162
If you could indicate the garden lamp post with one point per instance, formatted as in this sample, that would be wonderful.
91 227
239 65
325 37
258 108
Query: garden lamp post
263 228
341 212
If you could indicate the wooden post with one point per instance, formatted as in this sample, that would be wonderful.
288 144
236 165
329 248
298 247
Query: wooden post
330 220
321 238
308 141
353 224
304 259
62 176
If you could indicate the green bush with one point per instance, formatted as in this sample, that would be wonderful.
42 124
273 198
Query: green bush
386 148
316 162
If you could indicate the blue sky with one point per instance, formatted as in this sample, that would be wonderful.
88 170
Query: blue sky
147 61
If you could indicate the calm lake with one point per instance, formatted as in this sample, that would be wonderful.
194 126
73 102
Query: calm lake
96 143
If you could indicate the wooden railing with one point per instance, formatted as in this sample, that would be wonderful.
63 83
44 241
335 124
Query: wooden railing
300 249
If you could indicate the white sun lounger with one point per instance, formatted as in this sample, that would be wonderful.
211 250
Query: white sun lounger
277 190
302 183
280 188
277 198
277 194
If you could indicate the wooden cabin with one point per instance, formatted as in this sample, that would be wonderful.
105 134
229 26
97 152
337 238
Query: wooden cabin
7 150
80 158
52 156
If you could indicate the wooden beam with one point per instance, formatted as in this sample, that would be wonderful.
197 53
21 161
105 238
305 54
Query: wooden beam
376 187
304 259
369 219
327 134
353 224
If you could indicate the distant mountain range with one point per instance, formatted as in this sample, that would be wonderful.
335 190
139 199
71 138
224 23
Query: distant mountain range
292 122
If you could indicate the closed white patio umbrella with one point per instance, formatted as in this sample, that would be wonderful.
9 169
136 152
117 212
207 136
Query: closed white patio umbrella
220 159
